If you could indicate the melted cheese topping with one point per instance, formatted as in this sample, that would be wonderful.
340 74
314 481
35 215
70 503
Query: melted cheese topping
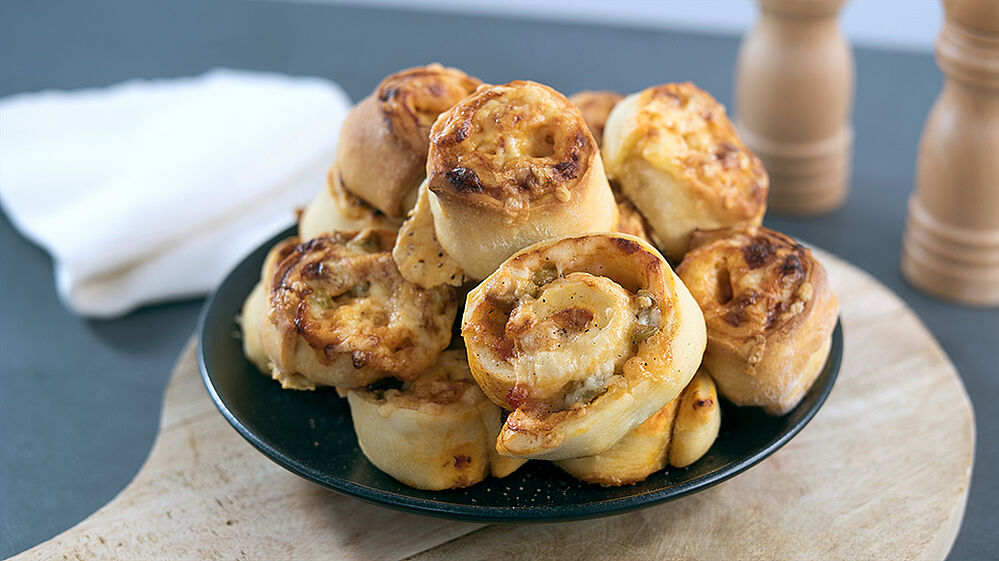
591 388
572 337
683 131
749 282
562 340
342 293
515 144
448 382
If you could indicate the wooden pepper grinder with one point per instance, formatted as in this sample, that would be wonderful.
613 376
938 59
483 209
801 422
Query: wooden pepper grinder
951 242
794 95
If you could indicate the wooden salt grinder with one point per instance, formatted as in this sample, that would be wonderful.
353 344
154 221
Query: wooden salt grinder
951 242
794 95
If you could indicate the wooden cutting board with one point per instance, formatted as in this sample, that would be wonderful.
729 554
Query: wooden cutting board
881 472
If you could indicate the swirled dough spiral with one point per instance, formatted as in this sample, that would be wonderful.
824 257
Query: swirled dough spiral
333 209
435 432
339 314
583 338
769 310
382 151
678 435
676 156
510 166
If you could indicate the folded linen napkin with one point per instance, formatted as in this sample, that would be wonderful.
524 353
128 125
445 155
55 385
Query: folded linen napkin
148 191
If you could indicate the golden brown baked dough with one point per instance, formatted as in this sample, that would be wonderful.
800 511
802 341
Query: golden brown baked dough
596 107
770 314
382 150
639 454
335 209
418 253
510 166
698 420
583 338
249 325
678 435
255 306
676 156
339 314
435 432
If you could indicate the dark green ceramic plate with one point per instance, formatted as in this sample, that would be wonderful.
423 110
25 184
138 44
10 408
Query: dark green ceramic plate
310 434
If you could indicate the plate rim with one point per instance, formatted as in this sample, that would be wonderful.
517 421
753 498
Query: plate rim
492 514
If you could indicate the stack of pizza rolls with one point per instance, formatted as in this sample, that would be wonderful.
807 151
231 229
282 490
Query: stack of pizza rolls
578 343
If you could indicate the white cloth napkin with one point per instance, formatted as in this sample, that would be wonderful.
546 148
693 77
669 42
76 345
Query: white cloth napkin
148 191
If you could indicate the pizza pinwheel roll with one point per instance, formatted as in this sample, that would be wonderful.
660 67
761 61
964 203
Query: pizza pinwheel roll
769 310
334 209
435 432
510 166
675 155
583 339
340 314
382 151
678 435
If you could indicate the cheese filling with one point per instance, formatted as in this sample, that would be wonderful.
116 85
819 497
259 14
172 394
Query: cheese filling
574 335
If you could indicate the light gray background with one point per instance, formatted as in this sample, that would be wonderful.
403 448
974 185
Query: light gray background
79 400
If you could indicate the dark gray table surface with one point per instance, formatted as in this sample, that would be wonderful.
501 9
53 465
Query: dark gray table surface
79 399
